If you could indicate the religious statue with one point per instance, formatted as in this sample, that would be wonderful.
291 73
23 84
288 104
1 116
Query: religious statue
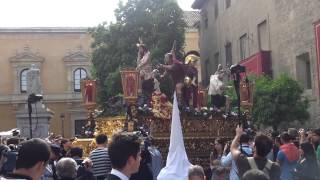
130 83
33 80
88 92
217 88
175 69
143 62
190 89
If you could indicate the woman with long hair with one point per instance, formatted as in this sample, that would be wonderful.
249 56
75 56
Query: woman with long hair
307 168
218 172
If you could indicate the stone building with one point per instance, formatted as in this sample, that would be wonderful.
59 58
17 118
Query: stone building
62 55
267 36
192 19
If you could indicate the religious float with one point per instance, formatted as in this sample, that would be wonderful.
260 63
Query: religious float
151 116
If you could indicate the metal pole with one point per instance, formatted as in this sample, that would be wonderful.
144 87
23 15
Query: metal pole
62 116
30 119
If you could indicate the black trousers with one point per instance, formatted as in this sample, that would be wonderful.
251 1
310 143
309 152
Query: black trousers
218 100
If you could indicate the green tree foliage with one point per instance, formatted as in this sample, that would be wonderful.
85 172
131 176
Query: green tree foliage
158 22
278 102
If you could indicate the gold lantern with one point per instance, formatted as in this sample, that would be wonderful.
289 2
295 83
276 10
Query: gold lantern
88 90
130 84
246 95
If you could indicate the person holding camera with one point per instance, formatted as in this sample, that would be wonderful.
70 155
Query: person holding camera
262 147
245 149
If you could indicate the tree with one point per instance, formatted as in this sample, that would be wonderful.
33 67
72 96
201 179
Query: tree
158 22
279 102
276 102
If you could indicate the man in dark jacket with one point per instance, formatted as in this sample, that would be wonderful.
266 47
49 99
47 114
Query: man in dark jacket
125 156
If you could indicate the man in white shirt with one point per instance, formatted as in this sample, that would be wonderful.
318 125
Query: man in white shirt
125 156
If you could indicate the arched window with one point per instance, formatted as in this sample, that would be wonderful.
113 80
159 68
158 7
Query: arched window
78 74
23 80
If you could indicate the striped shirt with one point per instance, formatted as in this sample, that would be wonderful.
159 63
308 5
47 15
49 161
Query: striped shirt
101 162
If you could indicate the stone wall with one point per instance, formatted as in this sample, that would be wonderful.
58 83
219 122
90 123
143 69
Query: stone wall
290 33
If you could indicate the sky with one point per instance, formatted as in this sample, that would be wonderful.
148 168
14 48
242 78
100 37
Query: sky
61 13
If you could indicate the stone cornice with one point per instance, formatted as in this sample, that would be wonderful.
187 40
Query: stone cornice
26 56
82 30
77 55
47 98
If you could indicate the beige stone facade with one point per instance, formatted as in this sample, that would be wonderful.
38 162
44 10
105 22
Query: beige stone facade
58 52
283 27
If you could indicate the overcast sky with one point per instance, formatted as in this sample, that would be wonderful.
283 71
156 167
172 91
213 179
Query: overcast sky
61 13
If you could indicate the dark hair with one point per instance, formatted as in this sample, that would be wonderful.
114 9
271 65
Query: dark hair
308 151
285 137
101 139
244 138
76 151
122 146
263 145
316 131
63 141
3 149
255 174
31 152
215 152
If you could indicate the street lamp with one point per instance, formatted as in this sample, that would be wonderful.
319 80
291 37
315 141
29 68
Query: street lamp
32 99
62 116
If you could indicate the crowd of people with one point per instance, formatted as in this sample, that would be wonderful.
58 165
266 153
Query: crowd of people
290 155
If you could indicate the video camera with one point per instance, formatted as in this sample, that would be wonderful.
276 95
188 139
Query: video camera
33 98
237 69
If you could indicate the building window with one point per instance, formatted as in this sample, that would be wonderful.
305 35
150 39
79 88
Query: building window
243 46
228 48
216 9
79 74
79 127
304 70
23 80
263 36
228 3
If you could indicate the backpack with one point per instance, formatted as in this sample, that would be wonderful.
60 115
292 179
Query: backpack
267 166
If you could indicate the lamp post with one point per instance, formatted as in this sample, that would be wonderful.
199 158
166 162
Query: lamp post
32 99
62 117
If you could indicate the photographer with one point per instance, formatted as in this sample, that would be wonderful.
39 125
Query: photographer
244 148
262 146
3 159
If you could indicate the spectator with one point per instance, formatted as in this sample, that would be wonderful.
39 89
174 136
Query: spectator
84 170
255 174
196 173
50 171
156 159
65 147
67 169
125 156
287 157
218 171
76 153
3 150
307 168
244 148
33 156
262 146
100 158
315 139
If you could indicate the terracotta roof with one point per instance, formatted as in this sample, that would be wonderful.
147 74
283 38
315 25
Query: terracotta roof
191 18
197 4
